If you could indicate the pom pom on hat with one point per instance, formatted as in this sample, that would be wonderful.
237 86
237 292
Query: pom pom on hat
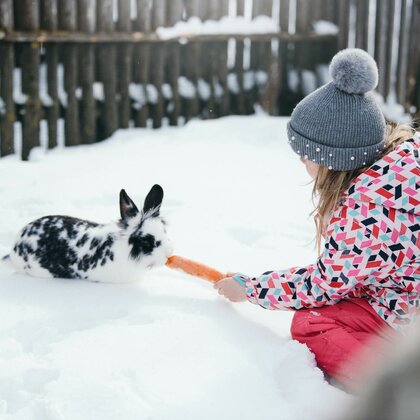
354 71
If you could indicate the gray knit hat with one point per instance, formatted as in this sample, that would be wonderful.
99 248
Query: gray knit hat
340 125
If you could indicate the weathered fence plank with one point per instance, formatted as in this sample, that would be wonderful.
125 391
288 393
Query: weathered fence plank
362 24
7 64
87 16
67 20
284 52
124 62
303 16
261 63
403 57
174 15
221 64
284 11
6 15
87 24
29 20
49 21
206 69
107 72
141 64
343 23
143 23
329 10
413 77
191 8
67 15
223 8
383 40
238 84
157 63
222 78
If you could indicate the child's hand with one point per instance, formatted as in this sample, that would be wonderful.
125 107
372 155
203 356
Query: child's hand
231 289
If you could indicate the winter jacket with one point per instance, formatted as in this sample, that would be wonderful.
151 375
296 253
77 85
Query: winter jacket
371 247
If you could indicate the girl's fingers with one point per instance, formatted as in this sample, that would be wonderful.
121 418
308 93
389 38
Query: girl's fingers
220 283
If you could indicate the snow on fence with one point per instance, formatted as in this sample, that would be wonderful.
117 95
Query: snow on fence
74 71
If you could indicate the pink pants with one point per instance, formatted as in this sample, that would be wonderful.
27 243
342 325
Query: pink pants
344 337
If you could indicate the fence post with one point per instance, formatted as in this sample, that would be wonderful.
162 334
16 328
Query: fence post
107 71
262 61
142 57
49 21
124 63
87 24
239 64
283 99
413 77
7 64
383 43
343 23
206 66
67 21
222 66
174 15
362 22
157 63
29 21
191 8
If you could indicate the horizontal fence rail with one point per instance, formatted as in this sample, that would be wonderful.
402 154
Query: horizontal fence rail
74 71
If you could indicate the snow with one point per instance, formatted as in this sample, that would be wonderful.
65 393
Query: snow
309 82
392 109
204 90
99 91
226 25
168 347
19 97
2 106
324 27
137 93
45 98
233 83
62 94
186 87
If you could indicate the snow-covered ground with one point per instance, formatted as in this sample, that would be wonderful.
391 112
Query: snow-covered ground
167 347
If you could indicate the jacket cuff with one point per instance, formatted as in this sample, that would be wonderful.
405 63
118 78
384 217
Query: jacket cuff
240 278
250 290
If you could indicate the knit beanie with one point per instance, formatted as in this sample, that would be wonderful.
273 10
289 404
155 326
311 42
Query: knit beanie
340 125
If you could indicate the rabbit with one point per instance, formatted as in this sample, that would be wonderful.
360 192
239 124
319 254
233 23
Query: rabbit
119 252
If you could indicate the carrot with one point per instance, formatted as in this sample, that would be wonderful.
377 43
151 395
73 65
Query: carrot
194 268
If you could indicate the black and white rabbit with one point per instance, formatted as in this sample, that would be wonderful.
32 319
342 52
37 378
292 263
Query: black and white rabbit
67 247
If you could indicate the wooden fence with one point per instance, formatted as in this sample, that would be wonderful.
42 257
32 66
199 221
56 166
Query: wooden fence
74 71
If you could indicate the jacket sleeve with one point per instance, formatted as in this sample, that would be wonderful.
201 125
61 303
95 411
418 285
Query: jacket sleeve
350 257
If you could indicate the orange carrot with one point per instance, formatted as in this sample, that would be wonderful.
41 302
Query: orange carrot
194 268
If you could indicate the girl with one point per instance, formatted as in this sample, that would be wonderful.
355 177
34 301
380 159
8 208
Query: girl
366 282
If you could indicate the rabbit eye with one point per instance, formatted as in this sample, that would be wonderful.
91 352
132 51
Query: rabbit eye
142 244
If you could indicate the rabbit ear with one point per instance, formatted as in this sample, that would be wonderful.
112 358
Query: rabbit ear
127 207
153 201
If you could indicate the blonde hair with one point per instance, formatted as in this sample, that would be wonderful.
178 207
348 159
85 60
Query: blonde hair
330 185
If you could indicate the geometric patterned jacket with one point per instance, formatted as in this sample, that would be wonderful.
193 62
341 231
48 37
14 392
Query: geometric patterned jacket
372 247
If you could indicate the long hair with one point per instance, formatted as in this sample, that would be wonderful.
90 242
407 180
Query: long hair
329 185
